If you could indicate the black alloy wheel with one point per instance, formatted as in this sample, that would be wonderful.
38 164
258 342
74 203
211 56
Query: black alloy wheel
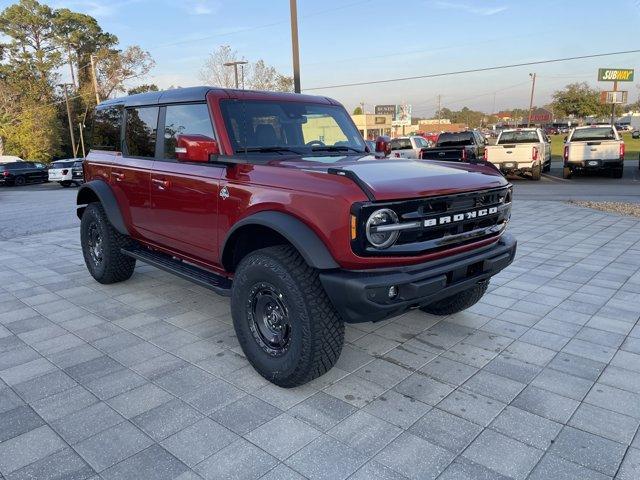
268 318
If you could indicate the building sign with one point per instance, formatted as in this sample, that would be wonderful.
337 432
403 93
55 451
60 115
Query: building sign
402 116
541 115
380 120
385 110
615 97
615 74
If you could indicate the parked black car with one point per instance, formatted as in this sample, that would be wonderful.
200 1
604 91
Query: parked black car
457 147
20 173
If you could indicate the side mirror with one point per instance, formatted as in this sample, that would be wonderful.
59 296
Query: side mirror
195 148
383 146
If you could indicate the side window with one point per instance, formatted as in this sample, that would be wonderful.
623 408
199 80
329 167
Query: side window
140 131
106 129
190 119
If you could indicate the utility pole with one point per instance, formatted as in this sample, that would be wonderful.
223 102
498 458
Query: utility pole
95 79
613 105
533 88
80 127
66 99
73 75
294 45
235 69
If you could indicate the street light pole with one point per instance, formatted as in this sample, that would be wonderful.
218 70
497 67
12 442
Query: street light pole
294 46
533 88
235 69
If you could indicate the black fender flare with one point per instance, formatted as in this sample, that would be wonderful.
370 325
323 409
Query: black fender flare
101 190
312 249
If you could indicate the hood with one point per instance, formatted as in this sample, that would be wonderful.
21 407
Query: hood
396 179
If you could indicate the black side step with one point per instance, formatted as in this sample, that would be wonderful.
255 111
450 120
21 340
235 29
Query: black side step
200 276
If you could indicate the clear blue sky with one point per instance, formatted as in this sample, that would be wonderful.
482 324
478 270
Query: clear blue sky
359 40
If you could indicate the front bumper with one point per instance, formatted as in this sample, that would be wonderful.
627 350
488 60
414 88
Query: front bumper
362 296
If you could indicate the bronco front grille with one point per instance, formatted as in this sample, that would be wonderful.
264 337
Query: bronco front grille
440 222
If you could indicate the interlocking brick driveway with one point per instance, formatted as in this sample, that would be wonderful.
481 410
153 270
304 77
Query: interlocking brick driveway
145 379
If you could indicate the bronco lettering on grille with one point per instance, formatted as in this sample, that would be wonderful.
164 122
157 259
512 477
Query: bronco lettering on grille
459 217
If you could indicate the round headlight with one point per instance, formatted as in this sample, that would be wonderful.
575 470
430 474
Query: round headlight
379 218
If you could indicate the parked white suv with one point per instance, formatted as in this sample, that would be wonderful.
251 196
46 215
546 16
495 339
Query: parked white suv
67 172
408 147
594 148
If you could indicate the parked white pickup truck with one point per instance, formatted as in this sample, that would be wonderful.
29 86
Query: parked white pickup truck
593 148
408 147
520 151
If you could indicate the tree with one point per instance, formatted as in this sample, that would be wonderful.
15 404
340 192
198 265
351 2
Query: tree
151 87
215 73
257 76
357 111
114 67
577 100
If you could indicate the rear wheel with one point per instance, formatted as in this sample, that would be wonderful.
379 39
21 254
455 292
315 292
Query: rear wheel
547 167
536 172
458 302
566 173
101 247
65 183
19 181
284 321
617 172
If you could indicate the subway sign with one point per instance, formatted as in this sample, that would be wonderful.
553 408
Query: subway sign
615 74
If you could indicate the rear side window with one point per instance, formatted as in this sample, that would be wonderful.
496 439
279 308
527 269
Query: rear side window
401 144
106 129
191 119
140 131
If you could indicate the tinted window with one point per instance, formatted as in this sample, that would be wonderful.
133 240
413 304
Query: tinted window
106 129
400 144
140 131
455 139
185 120
528 136
596 133
61 164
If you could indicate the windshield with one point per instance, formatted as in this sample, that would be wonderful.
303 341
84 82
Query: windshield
268 127
62 164
455 139
588 134
519 137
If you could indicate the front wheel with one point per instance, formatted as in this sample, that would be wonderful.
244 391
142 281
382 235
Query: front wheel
20 181
101 247
65 183
458 302
284 321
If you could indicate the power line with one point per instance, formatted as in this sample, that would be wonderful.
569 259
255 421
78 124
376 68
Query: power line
473 70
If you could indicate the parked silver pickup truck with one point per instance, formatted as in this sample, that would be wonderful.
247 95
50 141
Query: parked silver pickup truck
520 151
594 148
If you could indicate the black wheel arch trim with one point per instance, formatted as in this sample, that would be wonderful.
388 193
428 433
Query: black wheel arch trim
108 200
305 240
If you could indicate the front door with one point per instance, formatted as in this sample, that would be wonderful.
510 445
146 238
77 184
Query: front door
184 195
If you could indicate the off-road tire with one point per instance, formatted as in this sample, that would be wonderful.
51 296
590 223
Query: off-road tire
566 173
617 172
19 181
316 329
536 172
458 302
115 266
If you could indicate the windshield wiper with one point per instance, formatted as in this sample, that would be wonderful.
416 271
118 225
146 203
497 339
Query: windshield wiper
269 150
336 148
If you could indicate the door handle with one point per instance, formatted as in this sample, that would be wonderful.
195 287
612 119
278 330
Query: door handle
162 184
119 176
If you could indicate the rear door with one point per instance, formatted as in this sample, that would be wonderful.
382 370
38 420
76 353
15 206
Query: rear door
184 195
131 174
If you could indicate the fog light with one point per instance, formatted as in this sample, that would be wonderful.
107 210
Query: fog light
393 291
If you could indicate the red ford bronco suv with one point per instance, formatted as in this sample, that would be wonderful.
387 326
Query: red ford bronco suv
275 200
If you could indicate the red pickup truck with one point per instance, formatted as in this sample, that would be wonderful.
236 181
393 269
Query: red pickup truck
275 200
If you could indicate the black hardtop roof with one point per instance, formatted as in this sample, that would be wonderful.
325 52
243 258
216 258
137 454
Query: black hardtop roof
199 94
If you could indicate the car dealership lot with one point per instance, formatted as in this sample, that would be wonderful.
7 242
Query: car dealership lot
145 379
